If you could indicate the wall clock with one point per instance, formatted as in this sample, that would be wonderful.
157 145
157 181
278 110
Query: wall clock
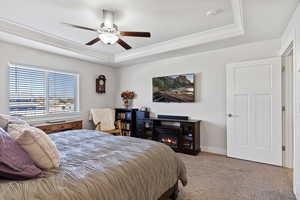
100 84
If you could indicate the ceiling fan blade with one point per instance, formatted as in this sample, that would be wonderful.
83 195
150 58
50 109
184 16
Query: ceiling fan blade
93 41
124 44
80 27
136 34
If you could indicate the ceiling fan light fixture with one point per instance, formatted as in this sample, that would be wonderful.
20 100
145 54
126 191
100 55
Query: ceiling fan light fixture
108 38
109 33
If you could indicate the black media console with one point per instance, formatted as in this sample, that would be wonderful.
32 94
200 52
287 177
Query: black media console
180 133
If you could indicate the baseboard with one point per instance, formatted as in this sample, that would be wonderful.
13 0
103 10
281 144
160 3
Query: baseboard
215 150
297 191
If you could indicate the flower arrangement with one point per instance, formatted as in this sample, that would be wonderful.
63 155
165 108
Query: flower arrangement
126 96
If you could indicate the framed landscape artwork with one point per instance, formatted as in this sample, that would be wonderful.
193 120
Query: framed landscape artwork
174 88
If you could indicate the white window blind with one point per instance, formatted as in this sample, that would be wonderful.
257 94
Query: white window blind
35 92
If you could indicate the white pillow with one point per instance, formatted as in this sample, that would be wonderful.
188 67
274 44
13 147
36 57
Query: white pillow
37 144
15 130
5 120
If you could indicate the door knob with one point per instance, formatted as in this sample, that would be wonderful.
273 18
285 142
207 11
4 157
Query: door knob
229 115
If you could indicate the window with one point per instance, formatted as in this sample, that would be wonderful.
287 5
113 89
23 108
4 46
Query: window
35 92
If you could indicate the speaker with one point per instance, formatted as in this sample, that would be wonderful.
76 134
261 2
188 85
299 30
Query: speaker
173 117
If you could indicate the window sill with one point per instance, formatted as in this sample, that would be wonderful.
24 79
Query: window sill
44 119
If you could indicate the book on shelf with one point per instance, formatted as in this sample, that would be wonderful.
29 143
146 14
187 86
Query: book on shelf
125 126
126 133
124 116
121 116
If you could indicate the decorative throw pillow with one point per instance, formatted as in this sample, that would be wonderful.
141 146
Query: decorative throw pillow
40 147
5 120
15 163
15 130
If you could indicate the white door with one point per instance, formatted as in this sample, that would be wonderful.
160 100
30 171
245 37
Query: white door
254 111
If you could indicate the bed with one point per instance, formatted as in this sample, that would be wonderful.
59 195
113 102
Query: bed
99 166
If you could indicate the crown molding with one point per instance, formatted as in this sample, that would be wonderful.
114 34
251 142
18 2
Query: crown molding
29 37
228 31
182 42
238 13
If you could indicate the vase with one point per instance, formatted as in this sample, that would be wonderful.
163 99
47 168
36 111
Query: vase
127 103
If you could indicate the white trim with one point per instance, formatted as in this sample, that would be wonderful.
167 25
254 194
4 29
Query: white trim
216 150
289 99
228 31
77 95
182 42
238 13
285 44
289 34
38 68
249 63
287 38
297 194
35 121
27 36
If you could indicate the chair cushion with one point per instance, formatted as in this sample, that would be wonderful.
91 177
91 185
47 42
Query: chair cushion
39 146
15 163
5 120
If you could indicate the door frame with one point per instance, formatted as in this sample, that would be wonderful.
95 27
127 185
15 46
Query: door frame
228 106
289 132
291 43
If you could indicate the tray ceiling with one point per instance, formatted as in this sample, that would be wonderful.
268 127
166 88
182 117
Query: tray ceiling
166 19
174 24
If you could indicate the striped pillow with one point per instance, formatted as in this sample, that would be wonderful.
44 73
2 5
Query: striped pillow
40 147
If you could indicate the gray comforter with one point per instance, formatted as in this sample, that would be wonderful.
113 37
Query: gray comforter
98 166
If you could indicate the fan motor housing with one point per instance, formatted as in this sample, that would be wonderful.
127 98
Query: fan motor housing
114 30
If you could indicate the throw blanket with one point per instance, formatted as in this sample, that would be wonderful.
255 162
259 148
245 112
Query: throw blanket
103 118
98 166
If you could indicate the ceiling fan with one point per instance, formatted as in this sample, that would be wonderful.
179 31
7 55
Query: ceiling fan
109 32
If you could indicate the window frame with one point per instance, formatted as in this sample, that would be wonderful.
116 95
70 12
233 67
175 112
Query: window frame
47 71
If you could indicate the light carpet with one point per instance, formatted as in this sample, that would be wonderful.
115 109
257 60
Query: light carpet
214 177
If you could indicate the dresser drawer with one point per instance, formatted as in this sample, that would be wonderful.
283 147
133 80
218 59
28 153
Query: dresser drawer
51 128
46 129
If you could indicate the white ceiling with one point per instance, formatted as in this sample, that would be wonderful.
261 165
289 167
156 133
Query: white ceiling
263 20
166 20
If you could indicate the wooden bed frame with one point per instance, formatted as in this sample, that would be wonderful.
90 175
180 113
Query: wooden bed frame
172 193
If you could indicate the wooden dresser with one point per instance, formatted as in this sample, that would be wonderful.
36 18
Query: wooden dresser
60 126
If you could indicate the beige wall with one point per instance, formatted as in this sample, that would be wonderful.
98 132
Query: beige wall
209 67
87 71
